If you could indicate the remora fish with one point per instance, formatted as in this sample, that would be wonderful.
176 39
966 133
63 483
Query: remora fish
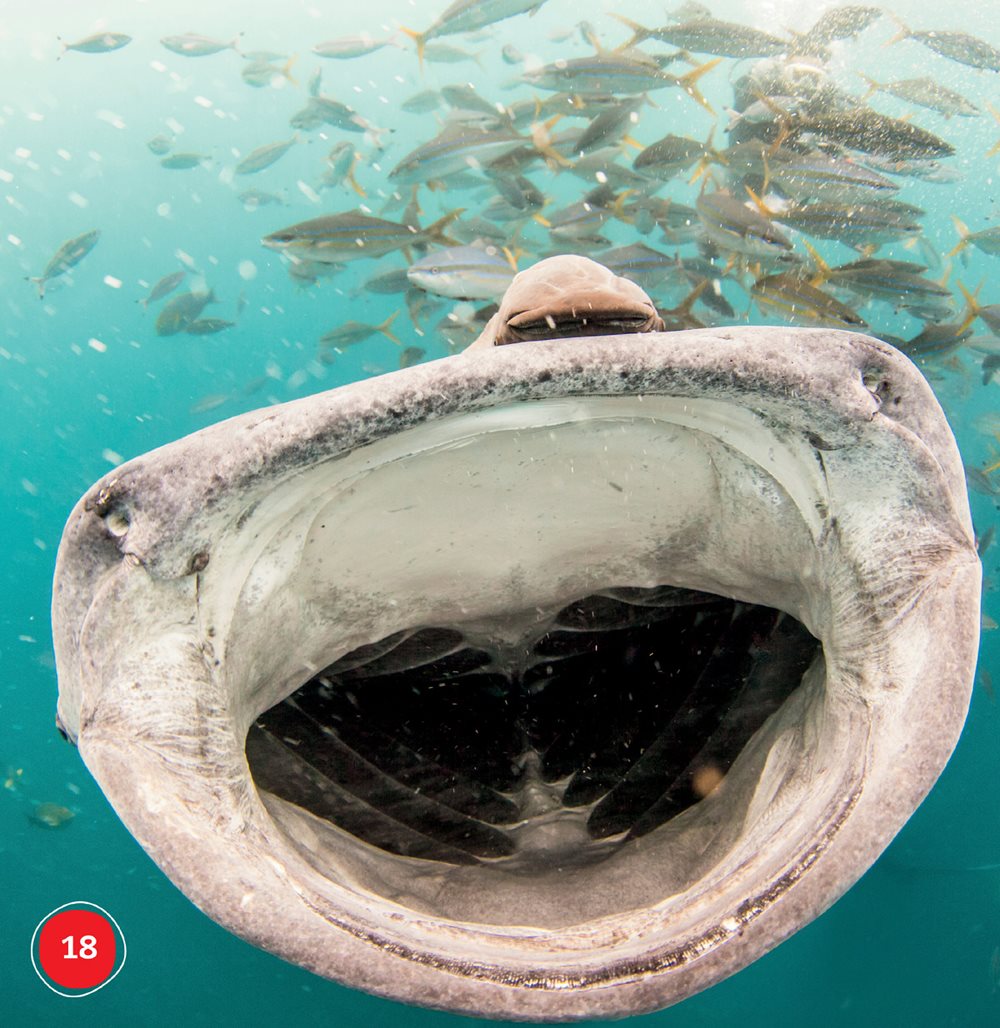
352 235
67 256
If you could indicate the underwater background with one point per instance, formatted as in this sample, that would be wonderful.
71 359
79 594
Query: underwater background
87 381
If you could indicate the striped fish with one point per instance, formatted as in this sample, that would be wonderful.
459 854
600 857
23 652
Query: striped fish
351 235
613 72
792 296
464 272
456 148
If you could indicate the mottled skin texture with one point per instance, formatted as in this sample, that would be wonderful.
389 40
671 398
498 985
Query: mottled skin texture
159 677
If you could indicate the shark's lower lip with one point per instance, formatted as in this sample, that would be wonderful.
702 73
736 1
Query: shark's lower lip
222 604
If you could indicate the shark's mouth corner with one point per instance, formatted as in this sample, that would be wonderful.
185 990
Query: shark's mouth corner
558 683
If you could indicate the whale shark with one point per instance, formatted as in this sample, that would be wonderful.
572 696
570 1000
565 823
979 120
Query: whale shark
557 679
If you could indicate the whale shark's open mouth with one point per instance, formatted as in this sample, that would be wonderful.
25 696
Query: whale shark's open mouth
551 744
556 681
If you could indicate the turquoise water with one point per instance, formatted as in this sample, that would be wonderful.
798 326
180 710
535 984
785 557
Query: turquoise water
87 382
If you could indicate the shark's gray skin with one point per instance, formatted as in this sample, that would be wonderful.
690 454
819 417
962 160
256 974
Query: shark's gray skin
542 682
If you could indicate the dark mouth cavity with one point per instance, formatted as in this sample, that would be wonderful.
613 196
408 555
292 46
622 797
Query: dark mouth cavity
626 709
593 323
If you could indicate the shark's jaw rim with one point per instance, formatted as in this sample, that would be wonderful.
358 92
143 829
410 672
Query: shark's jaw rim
756 465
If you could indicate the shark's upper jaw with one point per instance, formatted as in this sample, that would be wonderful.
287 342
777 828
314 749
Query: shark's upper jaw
204 592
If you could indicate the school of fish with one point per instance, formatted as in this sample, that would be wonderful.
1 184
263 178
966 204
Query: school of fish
791 196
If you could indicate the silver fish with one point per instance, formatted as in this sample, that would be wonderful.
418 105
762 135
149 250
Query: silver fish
463 272
67 256
163 287
264 156
190 44
353 235
348 47
98 43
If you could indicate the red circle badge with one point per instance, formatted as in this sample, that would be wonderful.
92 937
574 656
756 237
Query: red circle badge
77 949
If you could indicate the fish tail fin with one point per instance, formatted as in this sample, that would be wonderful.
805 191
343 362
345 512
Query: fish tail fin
972 304
701 169
759 204
590 36
688 82
385 329
618 207
234 43
353 182
970 317
683 309
543 221
639 32
822 268
512 256
542 141
435 232
39 283
420 38
903 33
286 71
963 232
873 86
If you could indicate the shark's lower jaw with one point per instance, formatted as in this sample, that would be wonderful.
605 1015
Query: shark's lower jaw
761 538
